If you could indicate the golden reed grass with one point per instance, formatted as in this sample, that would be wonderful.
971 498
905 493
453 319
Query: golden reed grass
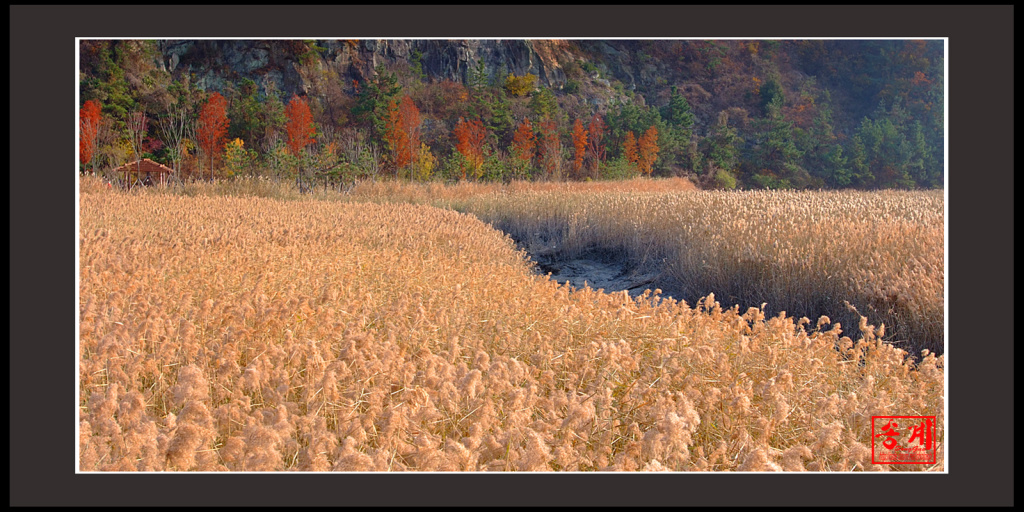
255 334
806 253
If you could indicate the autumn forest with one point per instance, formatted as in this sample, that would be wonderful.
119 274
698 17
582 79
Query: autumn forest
790 114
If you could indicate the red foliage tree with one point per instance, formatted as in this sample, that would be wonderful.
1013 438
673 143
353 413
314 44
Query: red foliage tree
401 132
524 142
212 127
579 143
471 136
648 149
300 129
300 126
394 137
410 116
89 121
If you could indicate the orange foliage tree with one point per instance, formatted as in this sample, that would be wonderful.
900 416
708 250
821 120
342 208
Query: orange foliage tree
212 127
89 121
471 136
524 142
300 130
402 131
579 143
410 116
300 126
648 149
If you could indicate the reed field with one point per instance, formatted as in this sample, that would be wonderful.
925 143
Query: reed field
238 327
806 253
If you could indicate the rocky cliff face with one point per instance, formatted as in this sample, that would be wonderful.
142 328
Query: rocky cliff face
288 64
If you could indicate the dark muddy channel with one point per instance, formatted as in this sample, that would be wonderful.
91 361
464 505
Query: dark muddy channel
599 269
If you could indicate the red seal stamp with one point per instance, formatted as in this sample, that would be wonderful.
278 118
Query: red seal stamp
903 440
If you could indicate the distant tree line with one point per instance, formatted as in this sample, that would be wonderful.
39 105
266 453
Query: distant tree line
499 126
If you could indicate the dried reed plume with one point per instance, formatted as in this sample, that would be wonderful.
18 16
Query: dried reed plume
260 334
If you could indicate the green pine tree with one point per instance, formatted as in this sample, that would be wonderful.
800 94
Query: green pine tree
478 78
501 124
770 92
416 64
887 153
374 99
823 154
721 154
776 158
678 113
543 104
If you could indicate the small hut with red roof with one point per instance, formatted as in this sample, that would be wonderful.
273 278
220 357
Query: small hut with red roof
144 172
